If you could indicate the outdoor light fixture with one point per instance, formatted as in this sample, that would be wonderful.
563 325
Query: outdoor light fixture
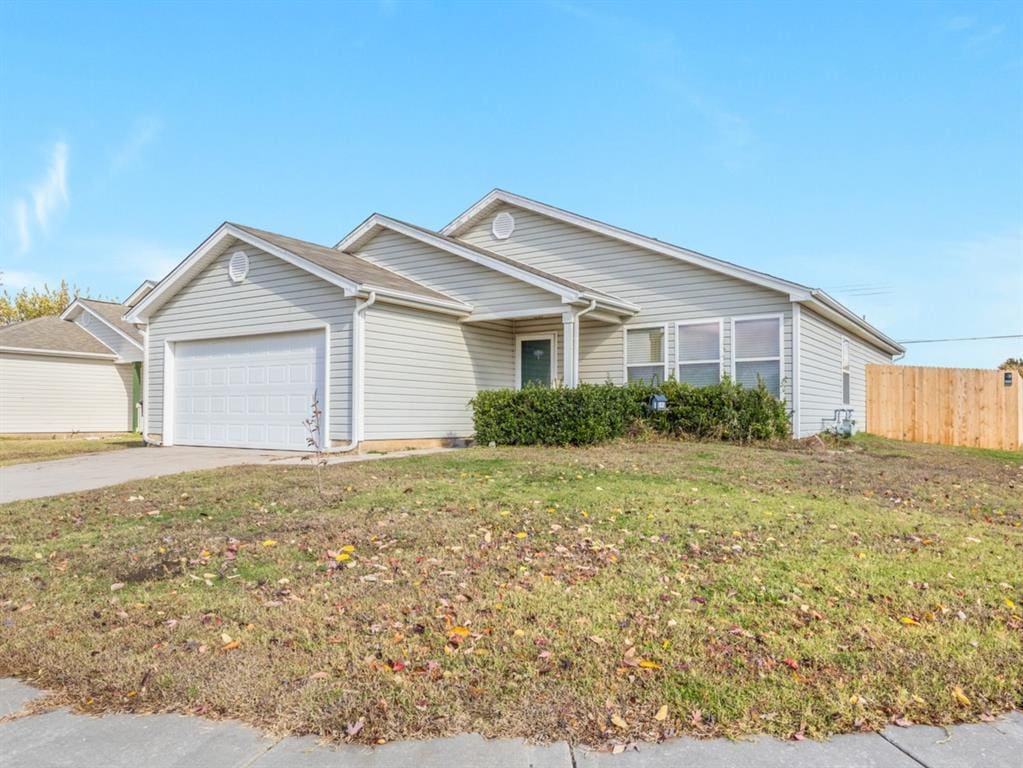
657 403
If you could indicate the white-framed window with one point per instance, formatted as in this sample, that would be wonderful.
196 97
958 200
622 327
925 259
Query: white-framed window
699 351
646 353
846 394
757 351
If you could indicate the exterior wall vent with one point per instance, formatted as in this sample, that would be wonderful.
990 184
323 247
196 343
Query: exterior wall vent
504 225
238 267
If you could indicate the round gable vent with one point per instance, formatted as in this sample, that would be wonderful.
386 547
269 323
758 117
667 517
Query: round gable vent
238 267
504 225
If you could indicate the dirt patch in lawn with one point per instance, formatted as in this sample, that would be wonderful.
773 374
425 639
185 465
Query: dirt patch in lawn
634 590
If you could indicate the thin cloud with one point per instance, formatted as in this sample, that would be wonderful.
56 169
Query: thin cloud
15 280
144 132
51 194
20 211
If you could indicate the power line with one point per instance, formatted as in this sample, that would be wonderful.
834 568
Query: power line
963 338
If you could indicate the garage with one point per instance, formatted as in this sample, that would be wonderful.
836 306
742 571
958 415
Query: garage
248 391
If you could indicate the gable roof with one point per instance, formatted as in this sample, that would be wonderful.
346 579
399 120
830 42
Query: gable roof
353 275
797 292
568 290
53 335
139 293
108 312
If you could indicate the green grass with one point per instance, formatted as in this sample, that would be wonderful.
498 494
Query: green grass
545 593
19 450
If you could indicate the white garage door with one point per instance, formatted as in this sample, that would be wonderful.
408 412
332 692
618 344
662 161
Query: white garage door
248 391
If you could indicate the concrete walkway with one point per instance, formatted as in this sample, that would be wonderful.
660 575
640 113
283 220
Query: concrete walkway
60 739
98 470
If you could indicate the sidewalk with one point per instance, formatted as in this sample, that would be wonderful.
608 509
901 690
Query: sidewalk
60 739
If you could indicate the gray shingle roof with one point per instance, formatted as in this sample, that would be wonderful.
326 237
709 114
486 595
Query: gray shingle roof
52 334
112 312
347 265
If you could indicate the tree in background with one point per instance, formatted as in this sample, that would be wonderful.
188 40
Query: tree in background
1013 364
28 304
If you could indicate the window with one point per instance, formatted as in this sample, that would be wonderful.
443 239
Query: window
645 354
756 350
698 345
845 372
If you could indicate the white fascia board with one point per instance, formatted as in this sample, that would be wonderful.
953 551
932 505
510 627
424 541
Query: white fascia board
412 300
146 285
58 353
169 285
357 235
76 304
624 235
825 305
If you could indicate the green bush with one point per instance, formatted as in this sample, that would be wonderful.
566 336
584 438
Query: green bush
594 413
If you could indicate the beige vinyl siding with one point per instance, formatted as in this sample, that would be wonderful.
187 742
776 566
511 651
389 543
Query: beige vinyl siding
820 373
423 368
111 338
275 297
665 288
487 290
47 393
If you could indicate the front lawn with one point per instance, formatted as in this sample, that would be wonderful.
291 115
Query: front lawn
18 450
635 590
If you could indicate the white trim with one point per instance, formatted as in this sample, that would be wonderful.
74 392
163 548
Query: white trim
519 338
625 349
846 371
66 315
780 317
362 232
796 292
141 311
617 233
147 285
721 346
515 314
414 300
169 349
58 353
797 331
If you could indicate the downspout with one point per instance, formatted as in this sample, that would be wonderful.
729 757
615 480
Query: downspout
575 339
145 390
358 339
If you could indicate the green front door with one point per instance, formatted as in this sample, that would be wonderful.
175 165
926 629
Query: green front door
536 356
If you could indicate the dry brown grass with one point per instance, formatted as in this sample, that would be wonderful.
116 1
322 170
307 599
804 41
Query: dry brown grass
545 593
19 450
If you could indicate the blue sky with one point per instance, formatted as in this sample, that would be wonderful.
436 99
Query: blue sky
875 150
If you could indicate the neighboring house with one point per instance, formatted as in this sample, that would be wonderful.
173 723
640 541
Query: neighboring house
80 372
395 329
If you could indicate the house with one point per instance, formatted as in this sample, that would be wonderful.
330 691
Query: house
394 330
80 372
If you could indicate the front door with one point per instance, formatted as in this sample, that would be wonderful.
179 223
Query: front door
536 360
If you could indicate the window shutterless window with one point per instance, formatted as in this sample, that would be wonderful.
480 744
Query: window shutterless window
646 354
756 351
698 345
845 372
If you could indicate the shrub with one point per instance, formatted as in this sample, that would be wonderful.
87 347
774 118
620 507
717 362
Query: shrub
593 413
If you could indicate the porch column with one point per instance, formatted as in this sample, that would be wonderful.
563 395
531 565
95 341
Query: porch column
570 345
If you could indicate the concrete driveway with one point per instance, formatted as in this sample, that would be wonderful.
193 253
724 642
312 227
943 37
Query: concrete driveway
96 470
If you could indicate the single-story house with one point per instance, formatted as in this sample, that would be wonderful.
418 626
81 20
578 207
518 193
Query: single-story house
79 372
392 331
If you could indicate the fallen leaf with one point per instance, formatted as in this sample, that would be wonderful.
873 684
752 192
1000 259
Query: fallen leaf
909 621
521 535
619 721
961 698
269 543
790 663
234 645
662 714
354 728
645 664
460 631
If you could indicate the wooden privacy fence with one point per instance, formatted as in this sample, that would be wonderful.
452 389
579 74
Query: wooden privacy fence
951 406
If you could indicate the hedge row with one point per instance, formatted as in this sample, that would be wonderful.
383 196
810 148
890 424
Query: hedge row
594 413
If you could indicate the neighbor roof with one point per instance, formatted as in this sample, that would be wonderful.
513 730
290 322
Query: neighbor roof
51 334
113 313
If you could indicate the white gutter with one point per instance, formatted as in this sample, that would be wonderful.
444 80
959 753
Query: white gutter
358 357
